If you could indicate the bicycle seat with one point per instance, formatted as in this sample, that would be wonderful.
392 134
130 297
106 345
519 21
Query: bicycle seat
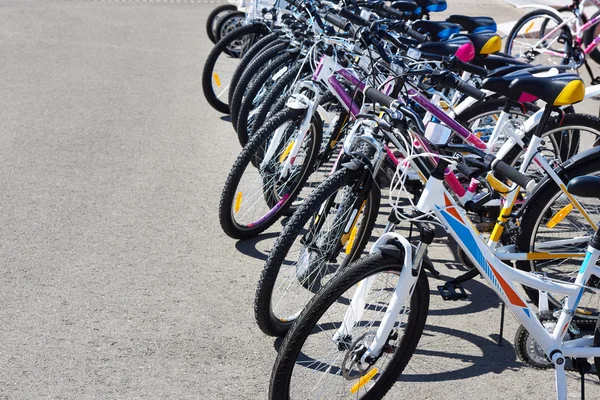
500 82
474 24
484 43
585 186
438 30
558 90
460 46
433 5
406 6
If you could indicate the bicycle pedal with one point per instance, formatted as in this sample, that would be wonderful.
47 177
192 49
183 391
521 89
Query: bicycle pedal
452 292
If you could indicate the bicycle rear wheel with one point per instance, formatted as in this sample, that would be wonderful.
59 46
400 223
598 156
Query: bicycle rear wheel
316 359
555 234
524 42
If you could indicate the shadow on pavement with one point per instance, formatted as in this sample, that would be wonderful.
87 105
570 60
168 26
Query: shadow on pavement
249 246
431 361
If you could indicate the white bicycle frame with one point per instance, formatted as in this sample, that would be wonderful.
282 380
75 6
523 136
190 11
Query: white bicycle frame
503 279
300 100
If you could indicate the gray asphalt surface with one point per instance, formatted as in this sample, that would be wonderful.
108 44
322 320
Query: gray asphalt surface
116 280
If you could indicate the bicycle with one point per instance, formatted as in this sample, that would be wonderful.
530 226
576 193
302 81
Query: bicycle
549 36
382 299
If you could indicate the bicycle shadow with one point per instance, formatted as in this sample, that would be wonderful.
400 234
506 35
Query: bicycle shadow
470 363
428 351
255 247
259 246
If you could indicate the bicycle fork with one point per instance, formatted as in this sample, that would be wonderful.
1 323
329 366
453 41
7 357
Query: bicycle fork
402 294
307 100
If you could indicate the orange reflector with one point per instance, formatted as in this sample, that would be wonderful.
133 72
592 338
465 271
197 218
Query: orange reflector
364 380
286 153
238 202
559 216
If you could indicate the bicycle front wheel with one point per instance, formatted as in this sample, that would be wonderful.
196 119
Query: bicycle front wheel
317 359
223 61
329 230
254 198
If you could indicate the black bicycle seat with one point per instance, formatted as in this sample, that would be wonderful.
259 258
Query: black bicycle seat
558 90
474 24
585 186
446 48
438 30
406 6
484 43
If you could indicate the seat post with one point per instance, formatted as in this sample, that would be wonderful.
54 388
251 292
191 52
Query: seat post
545 117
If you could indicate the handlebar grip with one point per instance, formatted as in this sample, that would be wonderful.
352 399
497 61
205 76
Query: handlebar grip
337 21
469 90
391 11
379 97
355 19
297 3
468 67
415 35
511 173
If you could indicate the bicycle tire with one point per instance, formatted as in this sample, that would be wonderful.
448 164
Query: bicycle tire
528 17
262 44
266 319
243 162
215 53
281 377
211 19
262 61
220 31
537 211
257 89
275 93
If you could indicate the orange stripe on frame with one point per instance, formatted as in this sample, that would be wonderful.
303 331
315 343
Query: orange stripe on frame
513 297
451 209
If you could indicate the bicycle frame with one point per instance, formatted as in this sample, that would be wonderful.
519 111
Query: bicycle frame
578 33
531 154
503 279
306 96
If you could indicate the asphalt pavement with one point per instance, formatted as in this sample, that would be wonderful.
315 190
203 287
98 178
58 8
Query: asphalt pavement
115 278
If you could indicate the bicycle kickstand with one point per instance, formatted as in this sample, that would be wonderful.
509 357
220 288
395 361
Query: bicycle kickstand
583 366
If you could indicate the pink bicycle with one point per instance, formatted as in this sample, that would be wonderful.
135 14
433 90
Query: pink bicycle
560 37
